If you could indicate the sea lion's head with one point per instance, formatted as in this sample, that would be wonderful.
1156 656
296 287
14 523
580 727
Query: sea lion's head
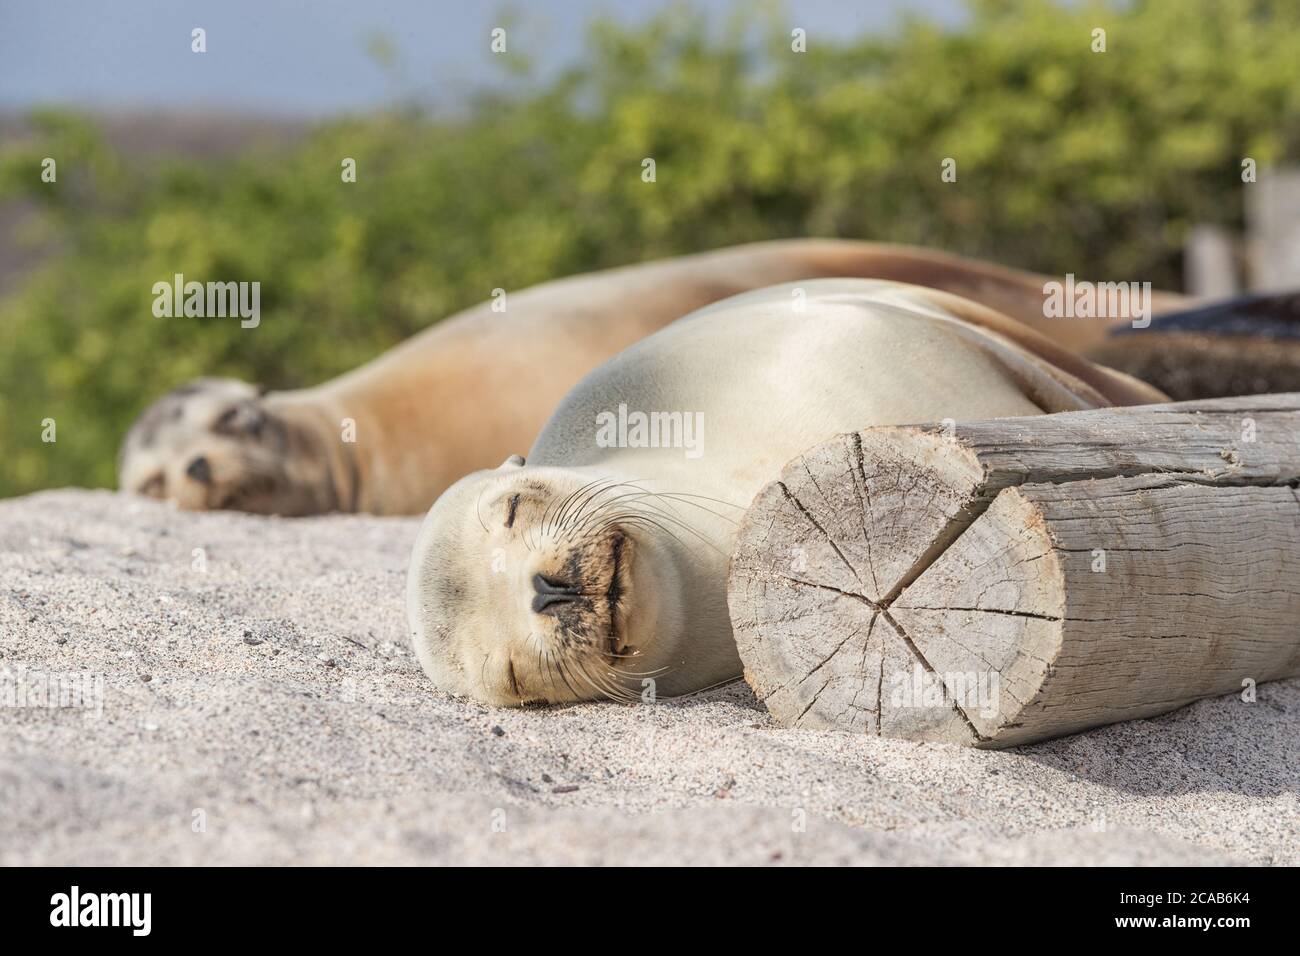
220 443
544 585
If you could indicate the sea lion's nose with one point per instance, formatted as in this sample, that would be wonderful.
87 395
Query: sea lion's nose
550 591
200 470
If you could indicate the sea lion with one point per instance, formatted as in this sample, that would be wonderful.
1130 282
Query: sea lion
1248 345
601 563
390 436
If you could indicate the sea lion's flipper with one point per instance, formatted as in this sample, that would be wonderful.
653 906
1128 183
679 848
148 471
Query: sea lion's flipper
1246 345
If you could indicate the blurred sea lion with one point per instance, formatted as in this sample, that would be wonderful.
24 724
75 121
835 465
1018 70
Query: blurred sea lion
1248 345
389 436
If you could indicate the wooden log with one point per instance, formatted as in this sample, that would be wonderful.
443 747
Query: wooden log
1000 582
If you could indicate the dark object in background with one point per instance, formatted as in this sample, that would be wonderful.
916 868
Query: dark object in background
1241 346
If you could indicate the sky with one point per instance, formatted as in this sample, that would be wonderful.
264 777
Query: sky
309 57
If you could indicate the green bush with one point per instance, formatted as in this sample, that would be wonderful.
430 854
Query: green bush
1067 160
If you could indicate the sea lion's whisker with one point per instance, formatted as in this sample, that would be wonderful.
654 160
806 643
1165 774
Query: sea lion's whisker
659 512
561 505
657 522
591 504
553 504
639 484
556 508
572 529
606 687
551 673
653 672
634 519
564 676
640 494
609 504
579 508
477 512
586 678
701 690
687 494
597 508
681 499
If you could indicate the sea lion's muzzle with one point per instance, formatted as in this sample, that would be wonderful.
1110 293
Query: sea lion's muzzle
200 469
551 591
581 592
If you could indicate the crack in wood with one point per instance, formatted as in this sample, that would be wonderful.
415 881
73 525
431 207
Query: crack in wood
868 514
813 521
953 529
920 658
830 587
983 610
880 681
826 660
814 700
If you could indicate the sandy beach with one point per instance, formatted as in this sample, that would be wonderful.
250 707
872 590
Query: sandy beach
253 700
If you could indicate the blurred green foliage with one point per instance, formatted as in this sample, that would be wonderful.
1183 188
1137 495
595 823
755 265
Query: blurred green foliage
1067 160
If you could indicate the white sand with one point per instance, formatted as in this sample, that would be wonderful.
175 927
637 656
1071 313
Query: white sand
275 693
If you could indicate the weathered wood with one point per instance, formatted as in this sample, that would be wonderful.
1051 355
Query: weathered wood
998 582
